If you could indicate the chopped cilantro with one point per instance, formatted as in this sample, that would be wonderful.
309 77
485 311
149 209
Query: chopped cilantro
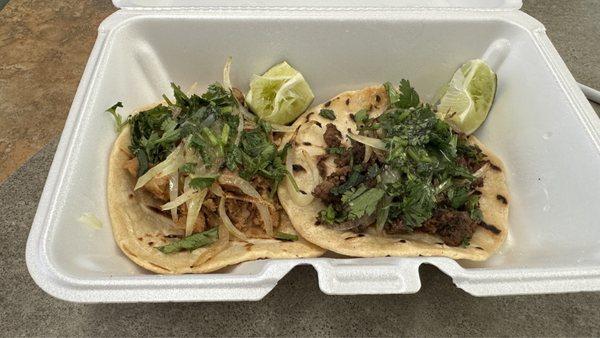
328 114
191 242
257 155
361 116
208 125
406 96
327 215
427 167
119 123
188 168
285 236
356 177
363 202
200 183
336 150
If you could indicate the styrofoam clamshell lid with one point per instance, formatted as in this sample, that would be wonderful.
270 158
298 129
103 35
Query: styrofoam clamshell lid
472 4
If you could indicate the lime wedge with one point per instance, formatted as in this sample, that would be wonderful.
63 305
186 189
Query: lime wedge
280 95
468 98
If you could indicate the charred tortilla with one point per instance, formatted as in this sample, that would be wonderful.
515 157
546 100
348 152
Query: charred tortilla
309 139
139 228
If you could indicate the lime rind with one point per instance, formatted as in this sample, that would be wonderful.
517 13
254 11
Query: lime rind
280 95
469 96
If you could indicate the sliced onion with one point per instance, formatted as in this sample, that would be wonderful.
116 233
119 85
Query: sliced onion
226 71
368 153
227 222
382 215
166 167
186 196
192 88
91 220
241 110
216 247
247 115
298 197
248 189
370 141
175 111
173 192
380 154
481 171
389 175
283 129
216 189
240 128
292 130
295 128
249 199
193 210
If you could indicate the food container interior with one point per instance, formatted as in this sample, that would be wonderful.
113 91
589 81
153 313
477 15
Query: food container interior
550 152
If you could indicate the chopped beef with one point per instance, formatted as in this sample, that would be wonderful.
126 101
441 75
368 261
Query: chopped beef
131 166
356 225
158 186
397 226
323 190
256 232
357 153
321 165
478 183
199 226
454 227
239 96
240 213
332 136
472 164
210 203
262 186
212 218
364 223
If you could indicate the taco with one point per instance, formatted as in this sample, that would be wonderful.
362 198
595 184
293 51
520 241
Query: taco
192 187
380 174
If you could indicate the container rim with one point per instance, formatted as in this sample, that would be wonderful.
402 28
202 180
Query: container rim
401 273
322 4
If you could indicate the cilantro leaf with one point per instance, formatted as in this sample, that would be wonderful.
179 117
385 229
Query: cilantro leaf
191 242
406 96
363 202
336 150
258 156
327 215
188 168
285 236
356 177
418 203
327 113
361 116
119 123
427 167
200 183
152 136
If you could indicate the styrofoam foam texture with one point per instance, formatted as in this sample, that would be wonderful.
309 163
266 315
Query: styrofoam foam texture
540 125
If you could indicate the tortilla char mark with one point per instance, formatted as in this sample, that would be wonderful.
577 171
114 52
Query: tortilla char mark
450 230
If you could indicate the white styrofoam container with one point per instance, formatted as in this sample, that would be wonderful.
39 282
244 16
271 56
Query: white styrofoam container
541 126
